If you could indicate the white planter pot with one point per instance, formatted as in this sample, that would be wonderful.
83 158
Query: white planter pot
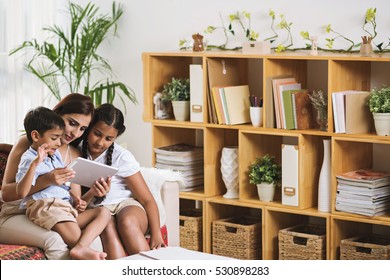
181 110
382 123
266 191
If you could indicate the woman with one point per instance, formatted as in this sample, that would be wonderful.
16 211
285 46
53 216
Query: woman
77 111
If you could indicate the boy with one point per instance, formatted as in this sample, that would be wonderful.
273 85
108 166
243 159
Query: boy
51 207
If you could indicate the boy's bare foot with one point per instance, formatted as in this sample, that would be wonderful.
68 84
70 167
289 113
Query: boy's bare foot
85 253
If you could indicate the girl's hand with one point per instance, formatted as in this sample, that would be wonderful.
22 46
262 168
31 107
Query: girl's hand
156 242
79 204
101 187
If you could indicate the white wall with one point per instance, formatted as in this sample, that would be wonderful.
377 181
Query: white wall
157 25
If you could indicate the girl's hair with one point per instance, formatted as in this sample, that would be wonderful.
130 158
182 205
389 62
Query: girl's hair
111 116
75 103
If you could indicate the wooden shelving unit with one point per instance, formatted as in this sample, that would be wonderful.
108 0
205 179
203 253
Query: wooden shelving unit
328 72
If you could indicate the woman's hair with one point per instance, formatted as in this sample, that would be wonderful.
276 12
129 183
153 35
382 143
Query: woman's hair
111 116
75 103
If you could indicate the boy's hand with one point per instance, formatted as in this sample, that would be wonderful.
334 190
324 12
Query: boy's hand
41 153
79 204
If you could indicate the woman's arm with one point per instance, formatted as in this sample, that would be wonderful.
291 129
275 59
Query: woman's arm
9 184
139 188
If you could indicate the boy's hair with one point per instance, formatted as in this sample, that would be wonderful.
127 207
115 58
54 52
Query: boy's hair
41 119
111 116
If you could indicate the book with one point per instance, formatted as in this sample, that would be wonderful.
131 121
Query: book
237 104
218 105
288 108
303 109
221 73
277 103
286 103
358 118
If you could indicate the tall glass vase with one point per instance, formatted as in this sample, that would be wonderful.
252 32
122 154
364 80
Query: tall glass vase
229 170
324 182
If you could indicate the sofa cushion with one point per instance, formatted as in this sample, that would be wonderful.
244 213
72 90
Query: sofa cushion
20 252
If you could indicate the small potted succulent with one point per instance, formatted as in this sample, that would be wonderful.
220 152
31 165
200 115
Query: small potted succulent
178 92
266 174
379 104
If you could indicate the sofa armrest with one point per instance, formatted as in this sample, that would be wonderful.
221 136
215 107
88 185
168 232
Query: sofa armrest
170 199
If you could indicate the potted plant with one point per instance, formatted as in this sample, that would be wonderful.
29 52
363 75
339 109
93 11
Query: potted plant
266 174
319 100
70 57
379 104
178 92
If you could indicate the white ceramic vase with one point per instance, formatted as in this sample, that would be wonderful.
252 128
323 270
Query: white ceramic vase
229 170
324 182
382 123
266 191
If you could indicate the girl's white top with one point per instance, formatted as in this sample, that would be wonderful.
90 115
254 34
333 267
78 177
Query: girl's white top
127 164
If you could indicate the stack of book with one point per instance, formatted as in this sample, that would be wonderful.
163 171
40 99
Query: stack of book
186 159
289 103
231 104
364 192
351 113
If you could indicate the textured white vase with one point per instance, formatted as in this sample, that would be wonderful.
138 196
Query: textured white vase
266 191
229 170
324 182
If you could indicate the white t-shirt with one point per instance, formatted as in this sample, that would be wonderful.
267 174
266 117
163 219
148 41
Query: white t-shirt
127 164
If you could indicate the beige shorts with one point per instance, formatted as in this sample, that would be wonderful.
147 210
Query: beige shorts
116 208
49 211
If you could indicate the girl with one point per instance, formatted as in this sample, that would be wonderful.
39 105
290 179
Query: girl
15 228
132 205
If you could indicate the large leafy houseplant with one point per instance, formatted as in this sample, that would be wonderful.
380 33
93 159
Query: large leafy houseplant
71 58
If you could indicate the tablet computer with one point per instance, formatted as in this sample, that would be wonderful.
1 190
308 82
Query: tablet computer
88 171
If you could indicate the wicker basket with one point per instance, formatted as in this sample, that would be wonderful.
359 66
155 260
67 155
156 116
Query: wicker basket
371 247
191 229
238 237
302 242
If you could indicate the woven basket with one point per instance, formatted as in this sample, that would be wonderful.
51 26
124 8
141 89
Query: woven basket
302 242
191 229
238 237
371 247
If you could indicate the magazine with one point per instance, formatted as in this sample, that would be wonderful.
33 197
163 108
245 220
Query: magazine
180 149
364 177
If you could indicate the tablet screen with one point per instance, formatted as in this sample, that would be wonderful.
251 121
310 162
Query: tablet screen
88 171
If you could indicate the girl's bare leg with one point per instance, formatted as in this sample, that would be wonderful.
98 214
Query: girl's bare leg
112 243
132 224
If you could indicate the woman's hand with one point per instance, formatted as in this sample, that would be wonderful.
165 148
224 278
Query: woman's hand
156 242
101 187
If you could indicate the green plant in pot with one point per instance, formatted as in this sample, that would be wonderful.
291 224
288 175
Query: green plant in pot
379 104
68 59
266 174
178 92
